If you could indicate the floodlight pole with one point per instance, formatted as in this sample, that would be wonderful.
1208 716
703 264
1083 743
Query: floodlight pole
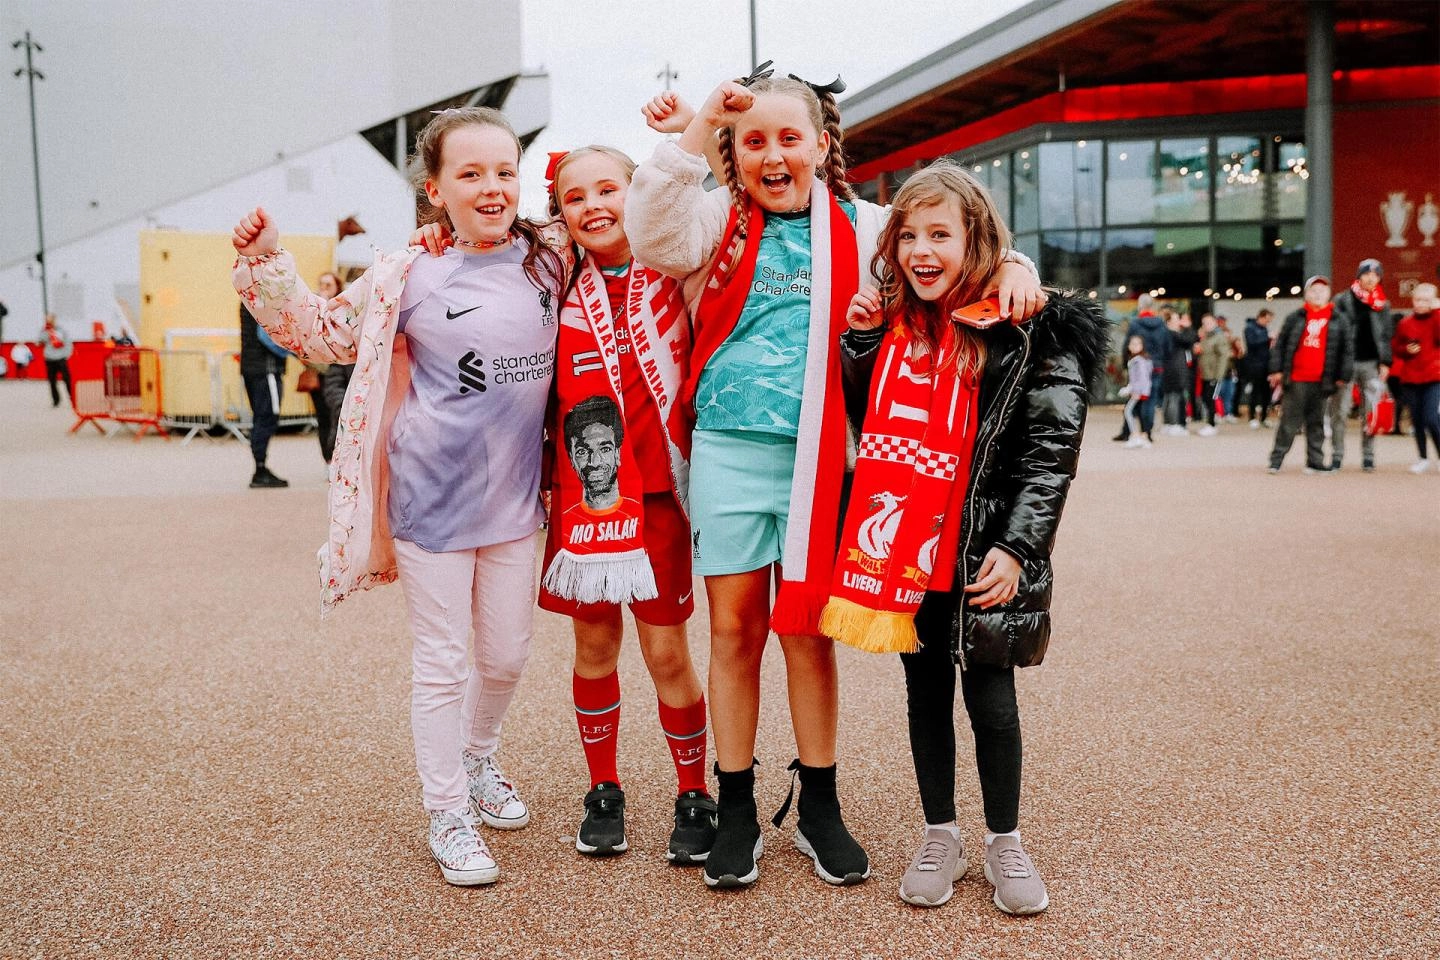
31 47
754 46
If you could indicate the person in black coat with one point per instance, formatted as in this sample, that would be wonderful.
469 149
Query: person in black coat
1034 382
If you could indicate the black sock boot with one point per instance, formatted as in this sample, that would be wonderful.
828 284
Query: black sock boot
732 860
821 833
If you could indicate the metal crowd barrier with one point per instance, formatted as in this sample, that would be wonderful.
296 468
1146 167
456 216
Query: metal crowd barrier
179 390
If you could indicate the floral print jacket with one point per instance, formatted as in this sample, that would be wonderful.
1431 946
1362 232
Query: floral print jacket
359 327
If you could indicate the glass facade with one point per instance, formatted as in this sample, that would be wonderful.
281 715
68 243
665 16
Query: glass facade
1195 215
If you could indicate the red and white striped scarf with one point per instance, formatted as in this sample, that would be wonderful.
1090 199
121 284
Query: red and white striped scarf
602 555
808 554
902 528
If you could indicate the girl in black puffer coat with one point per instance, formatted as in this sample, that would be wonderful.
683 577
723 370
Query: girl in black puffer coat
1026 387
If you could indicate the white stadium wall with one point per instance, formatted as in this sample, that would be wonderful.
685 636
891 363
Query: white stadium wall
155 114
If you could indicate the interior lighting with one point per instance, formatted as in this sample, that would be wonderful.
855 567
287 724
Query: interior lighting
1170 246
1160 291
1120 289
1184 171
1080 144
1229 291
978 168
1124 156
1208 291
1295 290
1237 296
1279 242
995 162
1092 294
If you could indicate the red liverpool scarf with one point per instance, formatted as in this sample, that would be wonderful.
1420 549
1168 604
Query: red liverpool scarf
598 496
808 554
1374 299
902 529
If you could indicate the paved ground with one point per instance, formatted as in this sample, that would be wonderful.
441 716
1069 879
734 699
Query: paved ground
1229 752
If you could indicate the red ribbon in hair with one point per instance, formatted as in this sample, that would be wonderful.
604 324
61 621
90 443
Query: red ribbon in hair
555 157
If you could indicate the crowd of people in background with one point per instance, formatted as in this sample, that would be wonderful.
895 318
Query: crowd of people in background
1333 359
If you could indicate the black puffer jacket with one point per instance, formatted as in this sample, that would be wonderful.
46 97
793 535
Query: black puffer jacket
1034 395
1339 350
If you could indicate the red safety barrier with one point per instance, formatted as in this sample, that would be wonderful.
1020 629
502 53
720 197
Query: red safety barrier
132 389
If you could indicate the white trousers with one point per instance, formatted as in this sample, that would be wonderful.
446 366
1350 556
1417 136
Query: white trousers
454 706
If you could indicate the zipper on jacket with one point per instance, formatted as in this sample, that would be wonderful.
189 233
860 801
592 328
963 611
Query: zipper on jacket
977 467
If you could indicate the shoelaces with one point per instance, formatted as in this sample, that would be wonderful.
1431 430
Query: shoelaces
1014 864
932 855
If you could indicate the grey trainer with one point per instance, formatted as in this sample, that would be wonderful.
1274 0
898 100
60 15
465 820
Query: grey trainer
930 879
1018 887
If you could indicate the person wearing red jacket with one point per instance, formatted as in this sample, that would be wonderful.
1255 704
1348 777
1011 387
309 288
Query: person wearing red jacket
1417 342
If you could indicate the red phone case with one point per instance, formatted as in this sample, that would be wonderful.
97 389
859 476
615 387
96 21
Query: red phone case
980 315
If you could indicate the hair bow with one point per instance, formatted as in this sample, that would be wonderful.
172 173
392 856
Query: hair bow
834 87
555 157
762 72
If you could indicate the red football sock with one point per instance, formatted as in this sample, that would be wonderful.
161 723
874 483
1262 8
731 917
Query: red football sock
597 711
685 732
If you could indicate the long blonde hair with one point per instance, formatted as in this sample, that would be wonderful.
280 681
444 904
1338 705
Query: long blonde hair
986 239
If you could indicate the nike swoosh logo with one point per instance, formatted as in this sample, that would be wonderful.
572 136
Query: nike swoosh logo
688 762
450 315
595 739
686 596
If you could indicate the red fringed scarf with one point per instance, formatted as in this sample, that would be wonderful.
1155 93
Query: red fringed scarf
808 555
902 529
602 555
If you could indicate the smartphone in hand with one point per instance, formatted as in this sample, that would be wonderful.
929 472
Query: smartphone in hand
980 315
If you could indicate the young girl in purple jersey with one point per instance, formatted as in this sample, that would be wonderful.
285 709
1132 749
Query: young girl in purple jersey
436 472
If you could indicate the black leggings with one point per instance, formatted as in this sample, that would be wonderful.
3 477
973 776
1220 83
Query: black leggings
989 694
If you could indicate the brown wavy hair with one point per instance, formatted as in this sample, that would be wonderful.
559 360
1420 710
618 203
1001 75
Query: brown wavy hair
824 113
543 265
986 239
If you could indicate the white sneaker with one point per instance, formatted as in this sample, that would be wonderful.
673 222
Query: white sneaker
1254 424
1420 466
464 859
1208 431
1175 430
1231 418
492 795
1136 443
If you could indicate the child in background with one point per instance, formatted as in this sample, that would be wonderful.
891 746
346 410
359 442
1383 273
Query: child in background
1136 392
436 471
971 438
1416 350
773 260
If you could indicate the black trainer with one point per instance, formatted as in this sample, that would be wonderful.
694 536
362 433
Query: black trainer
602 832
696 820
733 860
264 479
821 833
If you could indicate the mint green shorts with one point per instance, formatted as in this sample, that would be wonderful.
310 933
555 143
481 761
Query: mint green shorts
739 499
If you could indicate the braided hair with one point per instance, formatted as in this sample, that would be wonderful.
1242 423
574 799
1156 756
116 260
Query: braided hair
824 113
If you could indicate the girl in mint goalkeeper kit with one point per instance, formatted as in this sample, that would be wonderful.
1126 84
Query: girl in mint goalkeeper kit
971 433
769 264
436 472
